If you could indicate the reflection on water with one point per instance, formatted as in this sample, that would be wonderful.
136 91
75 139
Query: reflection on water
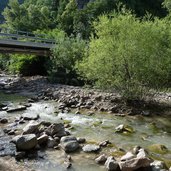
97 128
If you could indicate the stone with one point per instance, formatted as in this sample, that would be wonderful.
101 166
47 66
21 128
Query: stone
4 120
51 142
101 159
20 155
91 148
25 142
69 143
142 153
111 164
127 156
31 127
18 108
136 149
42 139
124 128
81 140
12 132
30 116
56 129
135 163
157 165
104 143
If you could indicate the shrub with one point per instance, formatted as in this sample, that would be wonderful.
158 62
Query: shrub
129 55
66 53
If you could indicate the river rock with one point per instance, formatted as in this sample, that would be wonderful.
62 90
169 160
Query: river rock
69 143
91 148
4 120
157 165
124 128
111 164
25 142
30 116
56 129
20 155
127 156
42 139
135 163
101 159
136 150
51 142
81 140
142 153
104 143
15 109
31 127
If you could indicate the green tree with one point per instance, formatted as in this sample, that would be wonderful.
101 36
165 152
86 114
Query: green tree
129 55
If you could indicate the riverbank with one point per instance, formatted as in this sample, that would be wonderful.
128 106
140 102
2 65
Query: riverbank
80 98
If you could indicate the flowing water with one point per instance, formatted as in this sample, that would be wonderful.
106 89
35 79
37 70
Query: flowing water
99 127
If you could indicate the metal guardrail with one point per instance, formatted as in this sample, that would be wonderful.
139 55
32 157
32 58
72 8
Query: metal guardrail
24 36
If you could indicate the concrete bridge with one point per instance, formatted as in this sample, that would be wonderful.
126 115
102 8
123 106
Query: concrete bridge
25 43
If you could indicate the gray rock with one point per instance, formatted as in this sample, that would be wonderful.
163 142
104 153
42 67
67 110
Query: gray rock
111 164
42 139
157 165
25 142
142 153
4 120
19 108
20 155
69 143
51 142
30 116
81 140
91 148
31 127
127 156
56 129
101 159
135 163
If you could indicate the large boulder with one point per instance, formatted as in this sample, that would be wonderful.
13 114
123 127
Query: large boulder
56 129
111 164
25 142
69 143
134 164
31 127
91 148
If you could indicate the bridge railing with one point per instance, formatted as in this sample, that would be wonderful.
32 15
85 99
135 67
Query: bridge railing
24 36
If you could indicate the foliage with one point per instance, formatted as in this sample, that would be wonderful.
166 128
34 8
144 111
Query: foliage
4 61
128 54
66 53
27 65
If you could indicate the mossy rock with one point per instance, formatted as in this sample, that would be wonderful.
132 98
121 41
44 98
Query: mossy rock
158 148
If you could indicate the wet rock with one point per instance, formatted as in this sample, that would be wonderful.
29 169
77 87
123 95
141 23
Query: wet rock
56 129
67 164
4 120
81 140
25 142
69 143
111 164
12 132
136 149
158 148
51 142
142 153
101 159
30 116
124 128
19 108
157 165
31 127
77 112
91 148
104 143
6 148
127 156
20 155
135 163
42 139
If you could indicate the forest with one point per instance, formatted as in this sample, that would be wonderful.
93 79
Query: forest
110 44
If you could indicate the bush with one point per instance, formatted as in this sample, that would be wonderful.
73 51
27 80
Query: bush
66 53
129 55
4 62
27 65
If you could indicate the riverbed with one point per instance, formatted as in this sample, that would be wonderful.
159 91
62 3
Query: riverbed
100 126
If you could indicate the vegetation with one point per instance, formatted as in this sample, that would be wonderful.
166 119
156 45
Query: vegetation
121 45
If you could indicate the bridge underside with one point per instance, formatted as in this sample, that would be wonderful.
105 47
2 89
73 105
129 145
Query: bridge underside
24 50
